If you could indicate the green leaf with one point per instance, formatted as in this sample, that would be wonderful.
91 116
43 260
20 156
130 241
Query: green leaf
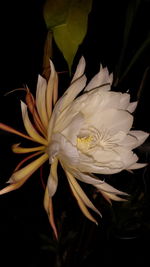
55 12
68 21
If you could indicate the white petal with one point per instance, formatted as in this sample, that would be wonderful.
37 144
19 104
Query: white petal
62 114
127 156
141 136
41 100
103 163
53 178
72 130
57 122
134 139
110 189
108 158
58 116
102 77
108 102
132 106
129 141
110 99
124 101
79 70
118 137
74 89
107 162
64 149
52 83
87 178
103 170
137 166
76 164
99 101
112 119
86 164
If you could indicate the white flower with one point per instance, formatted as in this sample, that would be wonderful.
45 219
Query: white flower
92 134
89 134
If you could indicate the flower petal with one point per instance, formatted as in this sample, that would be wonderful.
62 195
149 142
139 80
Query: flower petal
92 168
134 139
79 70
102 77
29 127
28 170
81 201
12 130
127 156
141 136
17 149
109 197
58 123
26 159
12 187
48 205
137 166
41 100
30 101
74 89
81 193
52 83
124 100
132 106
71 131
64 149
109 189
87 177
62 113
112 119
101 100
52 182
32 107
69 154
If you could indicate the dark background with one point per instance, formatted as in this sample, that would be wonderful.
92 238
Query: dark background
25 235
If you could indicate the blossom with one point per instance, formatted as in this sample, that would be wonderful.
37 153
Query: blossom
87 134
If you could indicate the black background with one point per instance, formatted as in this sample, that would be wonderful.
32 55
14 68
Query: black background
24 228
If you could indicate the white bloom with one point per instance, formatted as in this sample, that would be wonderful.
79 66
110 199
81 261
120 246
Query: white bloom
92 133
89 134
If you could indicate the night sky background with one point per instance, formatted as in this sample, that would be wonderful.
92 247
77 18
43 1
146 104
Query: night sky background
26 238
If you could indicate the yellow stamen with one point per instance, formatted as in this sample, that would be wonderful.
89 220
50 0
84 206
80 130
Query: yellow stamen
84 143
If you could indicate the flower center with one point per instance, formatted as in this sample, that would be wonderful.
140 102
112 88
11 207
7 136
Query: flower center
84 143
91 138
